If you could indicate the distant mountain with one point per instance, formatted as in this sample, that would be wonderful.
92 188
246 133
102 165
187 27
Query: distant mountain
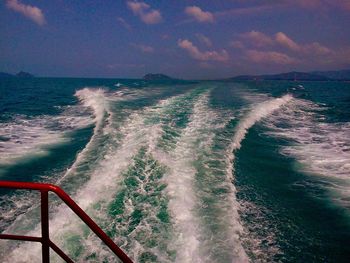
156 77
6 75
20 74
23 74
301 76
335 74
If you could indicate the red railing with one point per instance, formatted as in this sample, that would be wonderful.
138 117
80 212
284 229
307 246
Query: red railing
45 238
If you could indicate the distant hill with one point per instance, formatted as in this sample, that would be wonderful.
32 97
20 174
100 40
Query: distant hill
302 76
6 75
339 75
23 74
157 77
335 74
20 74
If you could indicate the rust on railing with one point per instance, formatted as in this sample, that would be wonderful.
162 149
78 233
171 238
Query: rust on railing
45 238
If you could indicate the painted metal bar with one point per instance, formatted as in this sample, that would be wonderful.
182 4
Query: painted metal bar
18 237
45 226
60 252
76 209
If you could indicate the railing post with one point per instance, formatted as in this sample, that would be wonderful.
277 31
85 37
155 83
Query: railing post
47 244
45 226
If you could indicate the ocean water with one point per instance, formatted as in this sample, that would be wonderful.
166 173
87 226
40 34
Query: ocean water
197 172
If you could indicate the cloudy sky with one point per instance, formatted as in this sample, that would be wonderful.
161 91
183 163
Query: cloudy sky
186 39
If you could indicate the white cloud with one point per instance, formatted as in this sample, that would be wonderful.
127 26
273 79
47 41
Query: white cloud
145 12
281 40
270 57
237 44
143 48
317 4
287 42
204 40
124 23
31 12
314 48
317 48
195 53
280 49
199 14
257 38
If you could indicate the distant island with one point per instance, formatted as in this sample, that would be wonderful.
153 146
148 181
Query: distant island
335 75
20 74
157 77
340 75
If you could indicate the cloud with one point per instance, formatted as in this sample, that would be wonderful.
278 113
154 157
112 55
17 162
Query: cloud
195 53
124 65
145 12
317 48
281 40
317 4
314 48
199 15
280 49
257 38
143 48
31 12
287 42
204 40
205 65
343 4
124 23
251 10
256 7
270 57
237 44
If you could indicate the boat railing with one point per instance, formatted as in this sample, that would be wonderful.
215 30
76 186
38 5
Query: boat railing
44 207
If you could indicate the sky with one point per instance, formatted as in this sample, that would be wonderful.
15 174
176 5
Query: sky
187 39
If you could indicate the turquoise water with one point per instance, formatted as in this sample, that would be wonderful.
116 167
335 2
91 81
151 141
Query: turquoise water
197 172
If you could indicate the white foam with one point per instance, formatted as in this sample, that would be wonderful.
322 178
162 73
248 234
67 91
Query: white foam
322 148
256 114
104 180
190 238
96 99
106 177
182 200
26 138
259 112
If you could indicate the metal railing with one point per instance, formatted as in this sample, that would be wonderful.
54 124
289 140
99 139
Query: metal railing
45 238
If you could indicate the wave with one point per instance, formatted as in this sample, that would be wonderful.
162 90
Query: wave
195 236
257 113
95 99
104 179
195 239
321 148
180 181
25 138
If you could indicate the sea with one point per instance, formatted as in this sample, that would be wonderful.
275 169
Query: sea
203 171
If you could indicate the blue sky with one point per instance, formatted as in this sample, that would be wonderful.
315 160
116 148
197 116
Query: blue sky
185 39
